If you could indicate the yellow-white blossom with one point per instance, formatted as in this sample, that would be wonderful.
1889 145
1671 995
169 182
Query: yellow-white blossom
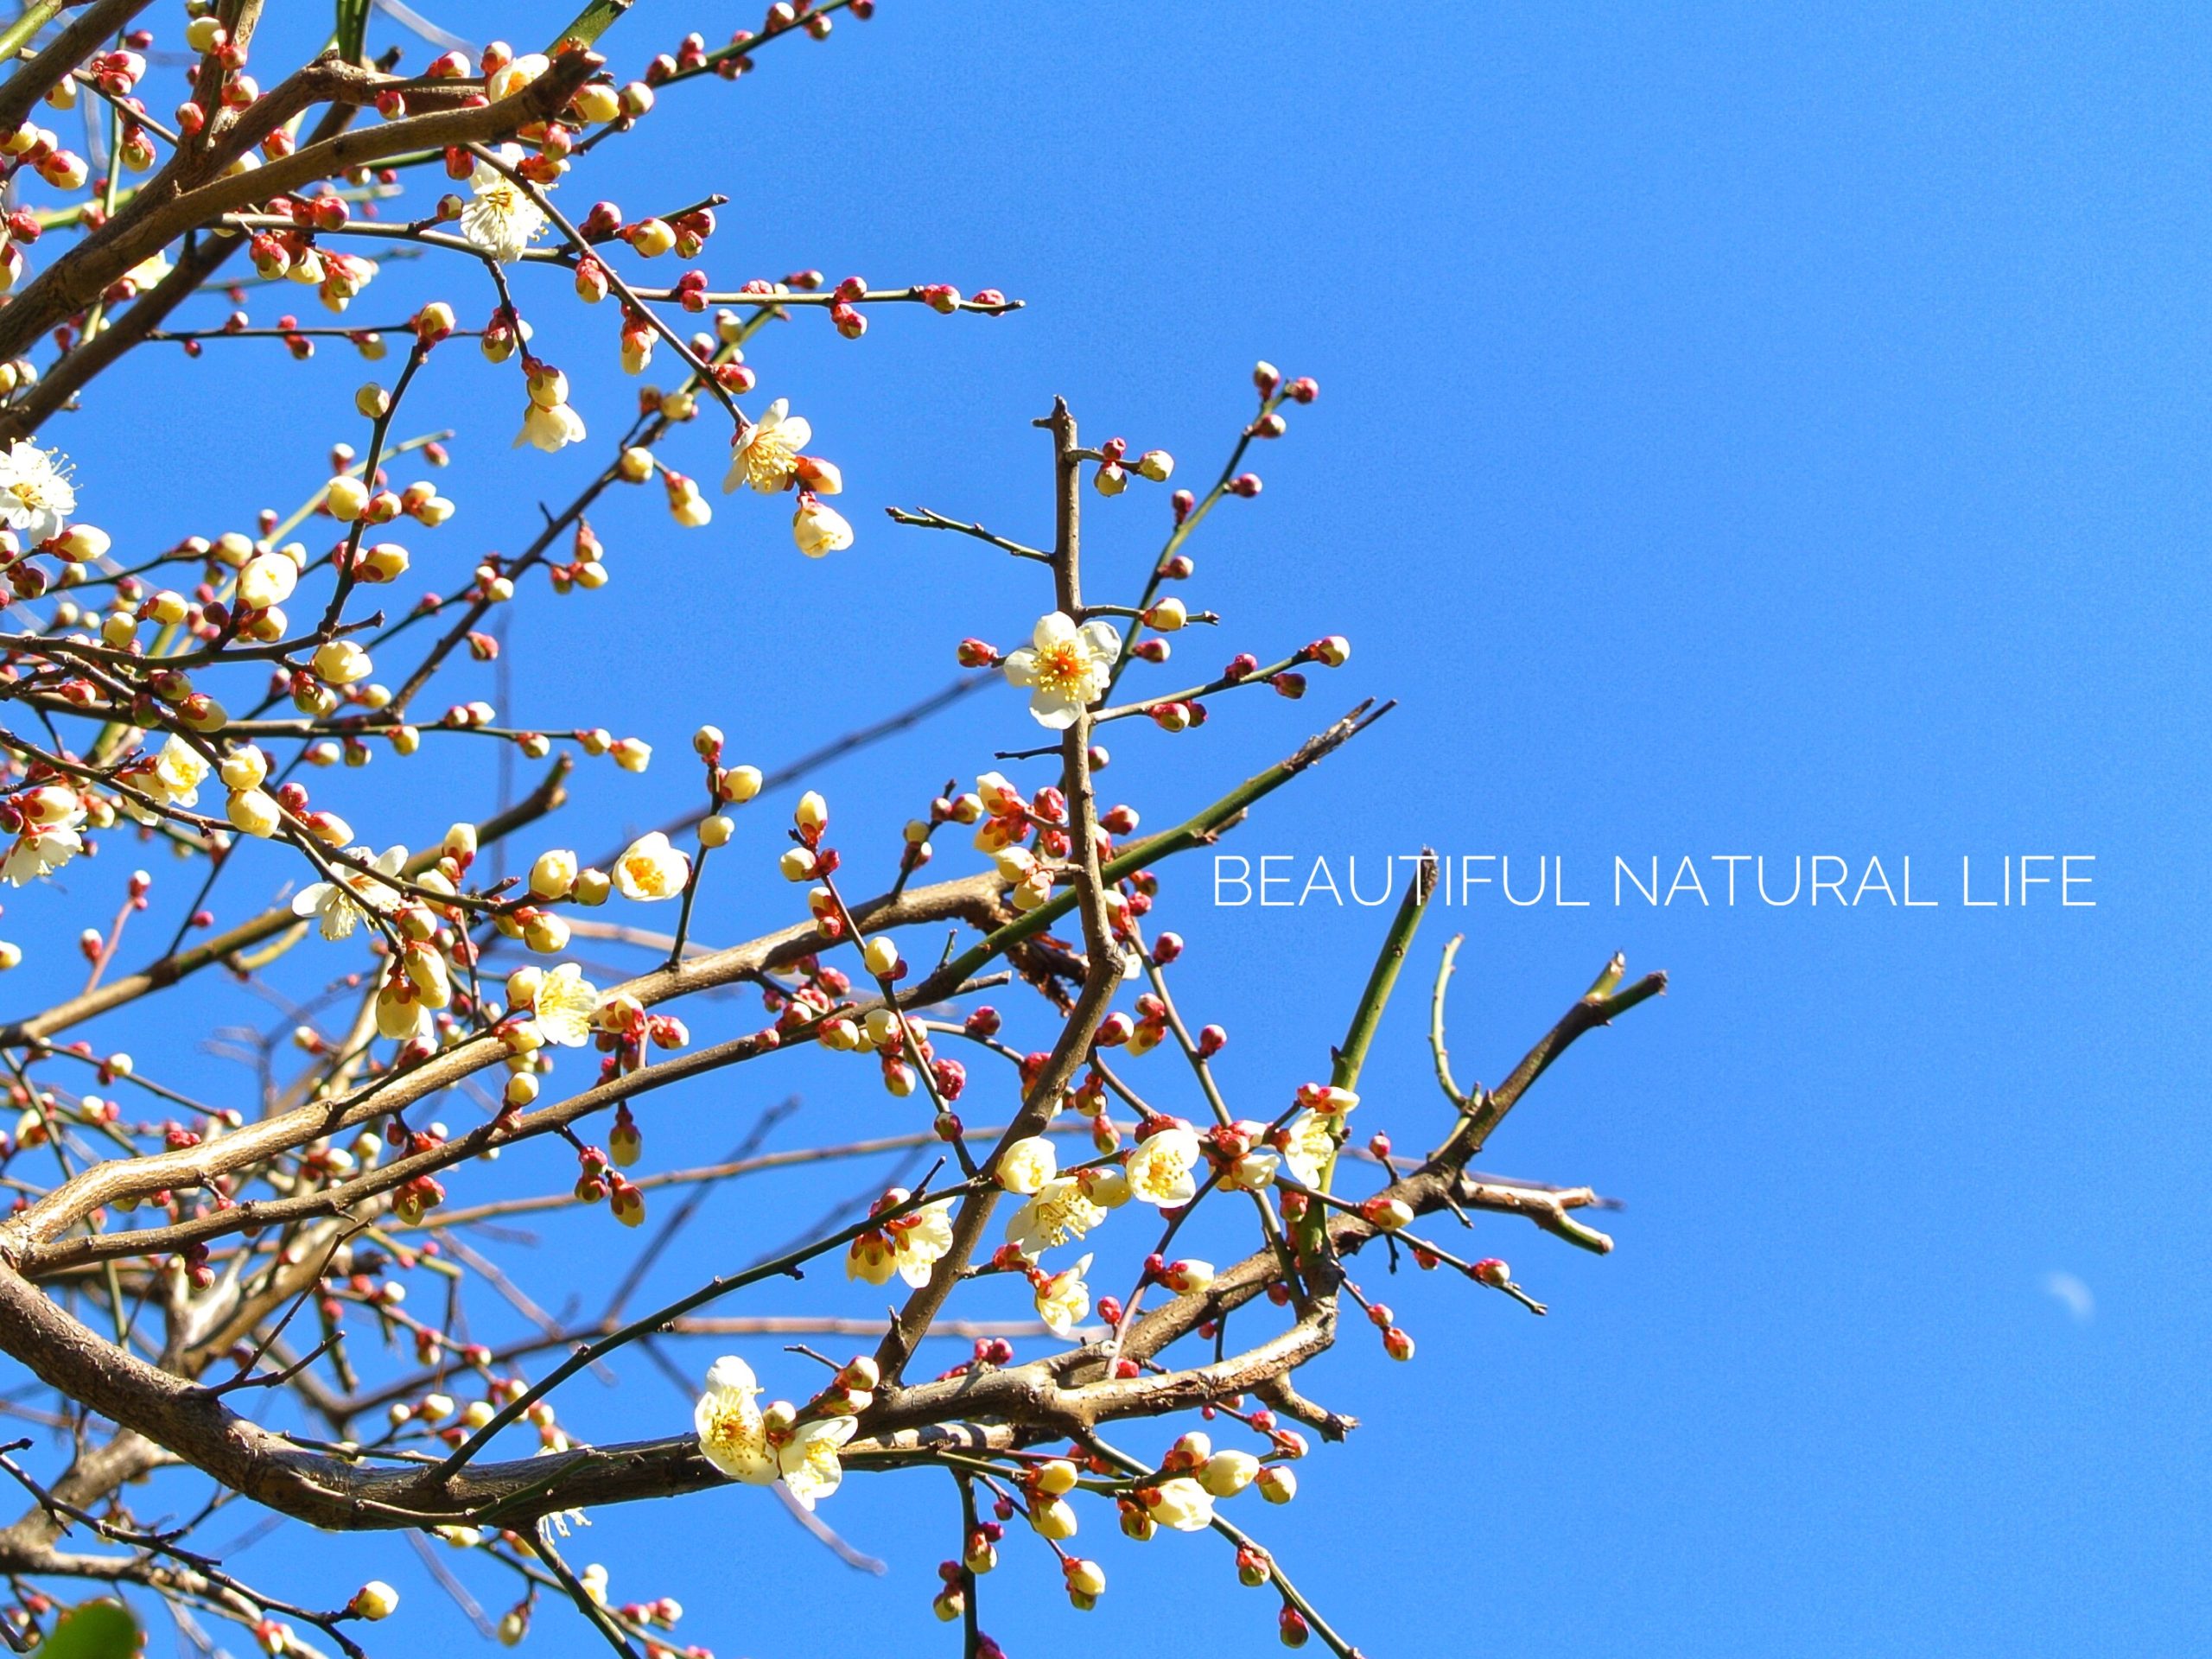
1161 1169
732 1436
1024 1166
1064 1299
686 505
52 806
426 970
766 456
244 767
255 811
179 770
338 907
346 496
1227 1473
550 426
513 75
341 662
1057 1477
1327 1099
911 1246
267 579
375 1599
1313 1146
1054 1517
502 220
809 1458
1064 668
37 497
1180 1504
568 1006
1106 1185
400 1020
1254 1172
818 529
1060 1210
650 869
553 874
39 852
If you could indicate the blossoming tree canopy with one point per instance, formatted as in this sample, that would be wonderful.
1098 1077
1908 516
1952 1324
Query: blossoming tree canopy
223 1285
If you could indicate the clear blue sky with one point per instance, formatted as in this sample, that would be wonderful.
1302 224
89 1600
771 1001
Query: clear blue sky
1742 431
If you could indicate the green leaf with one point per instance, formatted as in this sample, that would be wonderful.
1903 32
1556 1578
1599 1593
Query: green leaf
94 1630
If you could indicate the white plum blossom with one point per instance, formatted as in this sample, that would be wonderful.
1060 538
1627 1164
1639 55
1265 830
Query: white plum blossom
732 1436
911 1246
341 662
1255 1172
568 1006
919 1248
502 220
50 838
179 770
818 529
550 426
650 869
809 1459
767 455
267 579
1064 668
516 74
1024 1166
1064 1298
1228 1472
1060 1210
1161 1170
39 853
1313 1146
37 497
1180 1504
338 907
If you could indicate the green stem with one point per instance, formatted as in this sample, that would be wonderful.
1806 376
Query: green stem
35 16
594 21
1352 1054
1453 1091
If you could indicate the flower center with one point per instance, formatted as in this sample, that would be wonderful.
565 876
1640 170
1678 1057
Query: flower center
768 458
732 1433
1063 668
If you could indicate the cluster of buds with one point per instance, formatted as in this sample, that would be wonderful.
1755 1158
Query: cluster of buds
597 1178
896 1042
849 1393
1246 1154
290 253
586 566
1139 1034
414 1198
1112 476
624 1029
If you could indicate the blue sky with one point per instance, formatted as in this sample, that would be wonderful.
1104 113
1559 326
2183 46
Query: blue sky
1742 431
